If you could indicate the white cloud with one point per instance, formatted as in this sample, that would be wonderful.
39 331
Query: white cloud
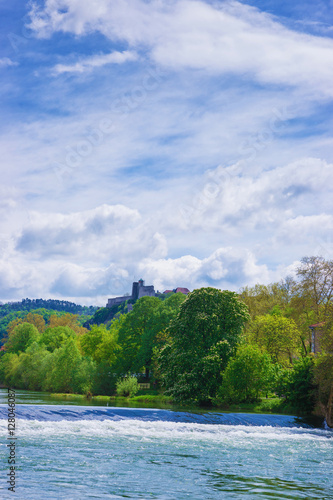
91 255
94 209
6 61
83 234
226 38
232 197
303 228
96 61
226 268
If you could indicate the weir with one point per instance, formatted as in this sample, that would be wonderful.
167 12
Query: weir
64 412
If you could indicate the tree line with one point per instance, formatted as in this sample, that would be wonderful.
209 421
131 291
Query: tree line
49 304
210 348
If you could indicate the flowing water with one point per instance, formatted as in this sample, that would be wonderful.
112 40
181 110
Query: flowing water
73 452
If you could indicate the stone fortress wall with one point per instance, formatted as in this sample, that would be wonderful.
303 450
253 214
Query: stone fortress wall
139 289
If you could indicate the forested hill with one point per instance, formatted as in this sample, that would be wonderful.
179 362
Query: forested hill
51 304
104 315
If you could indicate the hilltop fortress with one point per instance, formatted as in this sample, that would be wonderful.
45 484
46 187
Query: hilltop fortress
139 289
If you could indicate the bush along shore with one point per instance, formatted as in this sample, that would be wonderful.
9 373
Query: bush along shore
268 348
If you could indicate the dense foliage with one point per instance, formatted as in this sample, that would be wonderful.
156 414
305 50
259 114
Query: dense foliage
107 314
53 304
211 347
248 374
128 386
201 339
14 318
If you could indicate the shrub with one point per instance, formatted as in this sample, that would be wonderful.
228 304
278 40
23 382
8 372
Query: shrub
127 386
296 385
248 374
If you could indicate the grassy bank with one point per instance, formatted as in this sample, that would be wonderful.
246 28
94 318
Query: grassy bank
270 405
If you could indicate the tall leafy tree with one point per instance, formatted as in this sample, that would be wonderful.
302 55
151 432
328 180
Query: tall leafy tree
131 332
323 371
323 377
297 384
315 285
264 299
53 338
21 337
69 320
201 339
9 369
69 371
276 335
100 344
31 370
157 324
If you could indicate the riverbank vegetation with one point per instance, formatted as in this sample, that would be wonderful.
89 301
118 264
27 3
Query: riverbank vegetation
212 348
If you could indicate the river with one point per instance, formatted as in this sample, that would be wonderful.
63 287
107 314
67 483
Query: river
70 451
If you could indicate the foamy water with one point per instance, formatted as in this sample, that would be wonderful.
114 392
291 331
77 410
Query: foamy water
82 452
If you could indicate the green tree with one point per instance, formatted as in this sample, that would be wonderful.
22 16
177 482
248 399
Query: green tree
263 299
9 364
247 374
127 386
315 276
131 332
53 338
100 344
67 319
22 336
323 372
70 372
105 379
157 323
276 335
30 371
296 384
201 340
323 377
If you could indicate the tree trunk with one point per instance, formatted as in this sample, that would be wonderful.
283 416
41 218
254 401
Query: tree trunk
328 412
304 347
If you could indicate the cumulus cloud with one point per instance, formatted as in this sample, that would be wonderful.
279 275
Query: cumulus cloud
92 255
90 246
98 253
233 198
74 280
226 38
226 268
96 61
76 233
188 104
304 228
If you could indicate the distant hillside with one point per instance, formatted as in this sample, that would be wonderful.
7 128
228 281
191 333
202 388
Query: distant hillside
55 305
106 314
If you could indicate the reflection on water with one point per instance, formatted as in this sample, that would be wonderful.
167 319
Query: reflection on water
38 398
264 486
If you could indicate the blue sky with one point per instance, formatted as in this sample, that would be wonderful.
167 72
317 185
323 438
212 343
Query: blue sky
187 142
